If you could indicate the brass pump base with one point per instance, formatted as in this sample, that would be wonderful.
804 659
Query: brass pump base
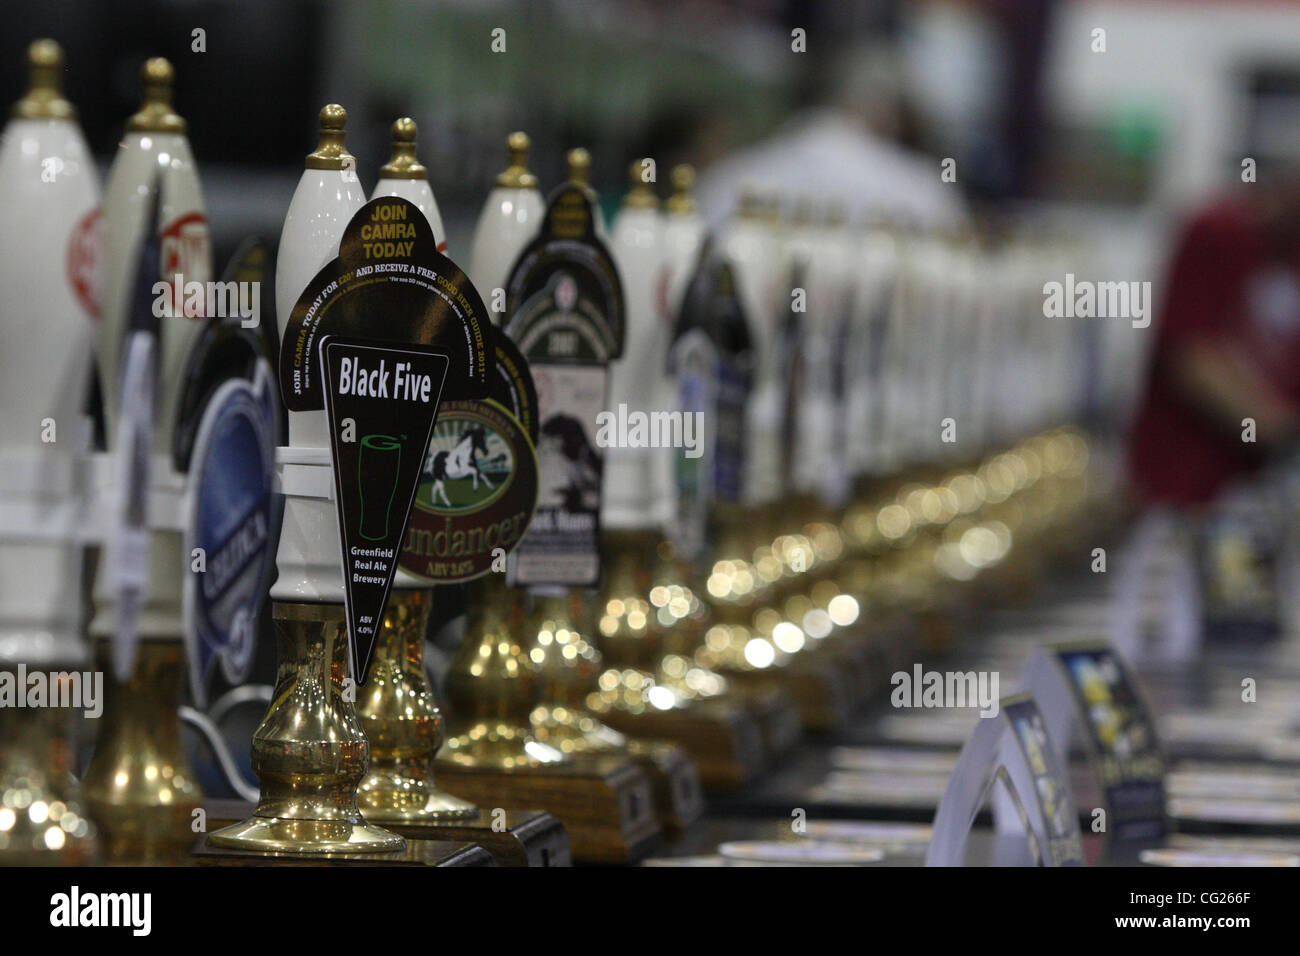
139 788
492 687
287 835
402 721
309 752
41 817
493 758
570 669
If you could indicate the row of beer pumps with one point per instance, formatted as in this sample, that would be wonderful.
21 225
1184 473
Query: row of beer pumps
873 441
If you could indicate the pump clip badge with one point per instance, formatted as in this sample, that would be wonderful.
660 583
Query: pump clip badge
380 337
478 484
564 299
710 356
388 284
232 514
381 402
565 311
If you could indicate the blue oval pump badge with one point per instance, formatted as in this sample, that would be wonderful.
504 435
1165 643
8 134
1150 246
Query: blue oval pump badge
232 518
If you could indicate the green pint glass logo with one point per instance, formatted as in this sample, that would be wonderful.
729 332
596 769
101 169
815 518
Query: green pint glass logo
378 465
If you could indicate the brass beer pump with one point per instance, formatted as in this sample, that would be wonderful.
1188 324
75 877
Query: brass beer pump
575 691
42 820
647 619
139 786
517 733
559 638
403 722
398 709
493 756
310 752
632 631
492 686
765 627
569 665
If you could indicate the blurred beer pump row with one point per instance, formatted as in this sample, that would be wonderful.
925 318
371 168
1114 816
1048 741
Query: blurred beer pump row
890 437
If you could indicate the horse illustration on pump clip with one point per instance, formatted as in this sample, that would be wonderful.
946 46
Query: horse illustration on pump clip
460 462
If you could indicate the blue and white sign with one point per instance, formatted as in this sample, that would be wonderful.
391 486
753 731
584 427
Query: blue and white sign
232 517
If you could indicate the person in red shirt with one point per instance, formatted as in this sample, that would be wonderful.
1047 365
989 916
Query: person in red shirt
1227 349
1222 392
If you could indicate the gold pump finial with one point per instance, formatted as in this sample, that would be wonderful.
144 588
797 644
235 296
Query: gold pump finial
642 194
44 97
331 151
579 166
516 174
156 114
403 164
579 175
682 201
